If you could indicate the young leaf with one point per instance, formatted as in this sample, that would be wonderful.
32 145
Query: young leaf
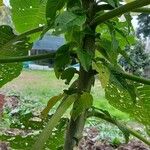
67 20
85 59
84 102
62 59
52 7
46 133
68 74
50 104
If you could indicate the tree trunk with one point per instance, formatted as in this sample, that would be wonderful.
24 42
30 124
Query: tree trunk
86 79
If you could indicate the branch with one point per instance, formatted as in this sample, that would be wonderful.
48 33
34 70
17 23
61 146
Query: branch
105 117
27 58
142 10
109 7
39 29
119 11
133 77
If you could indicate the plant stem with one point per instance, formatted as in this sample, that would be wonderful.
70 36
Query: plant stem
27 58
76 126
119 11
103 116
109 7
133 77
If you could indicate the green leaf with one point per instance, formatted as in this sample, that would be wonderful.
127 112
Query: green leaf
121 99
52 7
18 48
111 2
46 133
28 14
103 72
1 2
62 59
50 104
68 74
84 102
85 59
67 20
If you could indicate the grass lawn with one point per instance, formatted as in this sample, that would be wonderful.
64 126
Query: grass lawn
35 88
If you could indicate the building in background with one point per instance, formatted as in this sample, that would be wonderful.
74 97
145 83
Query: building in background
47 44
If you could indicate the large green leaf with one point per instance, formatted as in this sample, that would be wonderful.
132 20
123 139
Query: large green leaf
28 14
18 48
120 98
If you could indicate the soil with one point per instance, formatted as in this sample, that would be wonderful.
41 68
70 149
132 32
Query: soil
90 142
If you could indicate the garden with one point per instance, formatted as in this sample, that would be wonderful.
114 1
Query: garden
101 105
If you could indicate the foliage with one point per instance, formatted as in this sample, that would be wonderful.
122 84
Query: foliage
144 25
140 59
95 38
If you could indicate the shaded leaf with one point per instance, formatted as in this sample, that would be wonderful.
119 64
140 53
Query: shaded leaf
62 59
68 74
7 49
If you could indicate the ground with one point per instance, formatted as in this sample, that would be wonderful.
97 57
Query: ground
31 92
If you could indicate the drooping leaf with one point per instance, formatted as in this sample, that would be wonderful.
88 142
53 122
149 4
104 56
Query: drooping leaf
20 47
68 74
84 102
47 131
62 59
52 7
50 104
28 14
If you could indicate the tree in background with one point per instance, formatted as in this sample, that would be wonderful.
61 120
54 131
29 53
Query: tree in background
140 59
144 25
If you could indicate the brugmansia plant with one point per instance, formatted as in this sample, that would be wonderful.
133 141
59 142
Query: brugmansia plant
95 37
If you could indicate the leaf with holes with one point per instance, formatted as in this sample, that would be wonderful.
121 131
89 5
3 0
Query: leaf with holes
18 48
103 72
28 14
121 99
